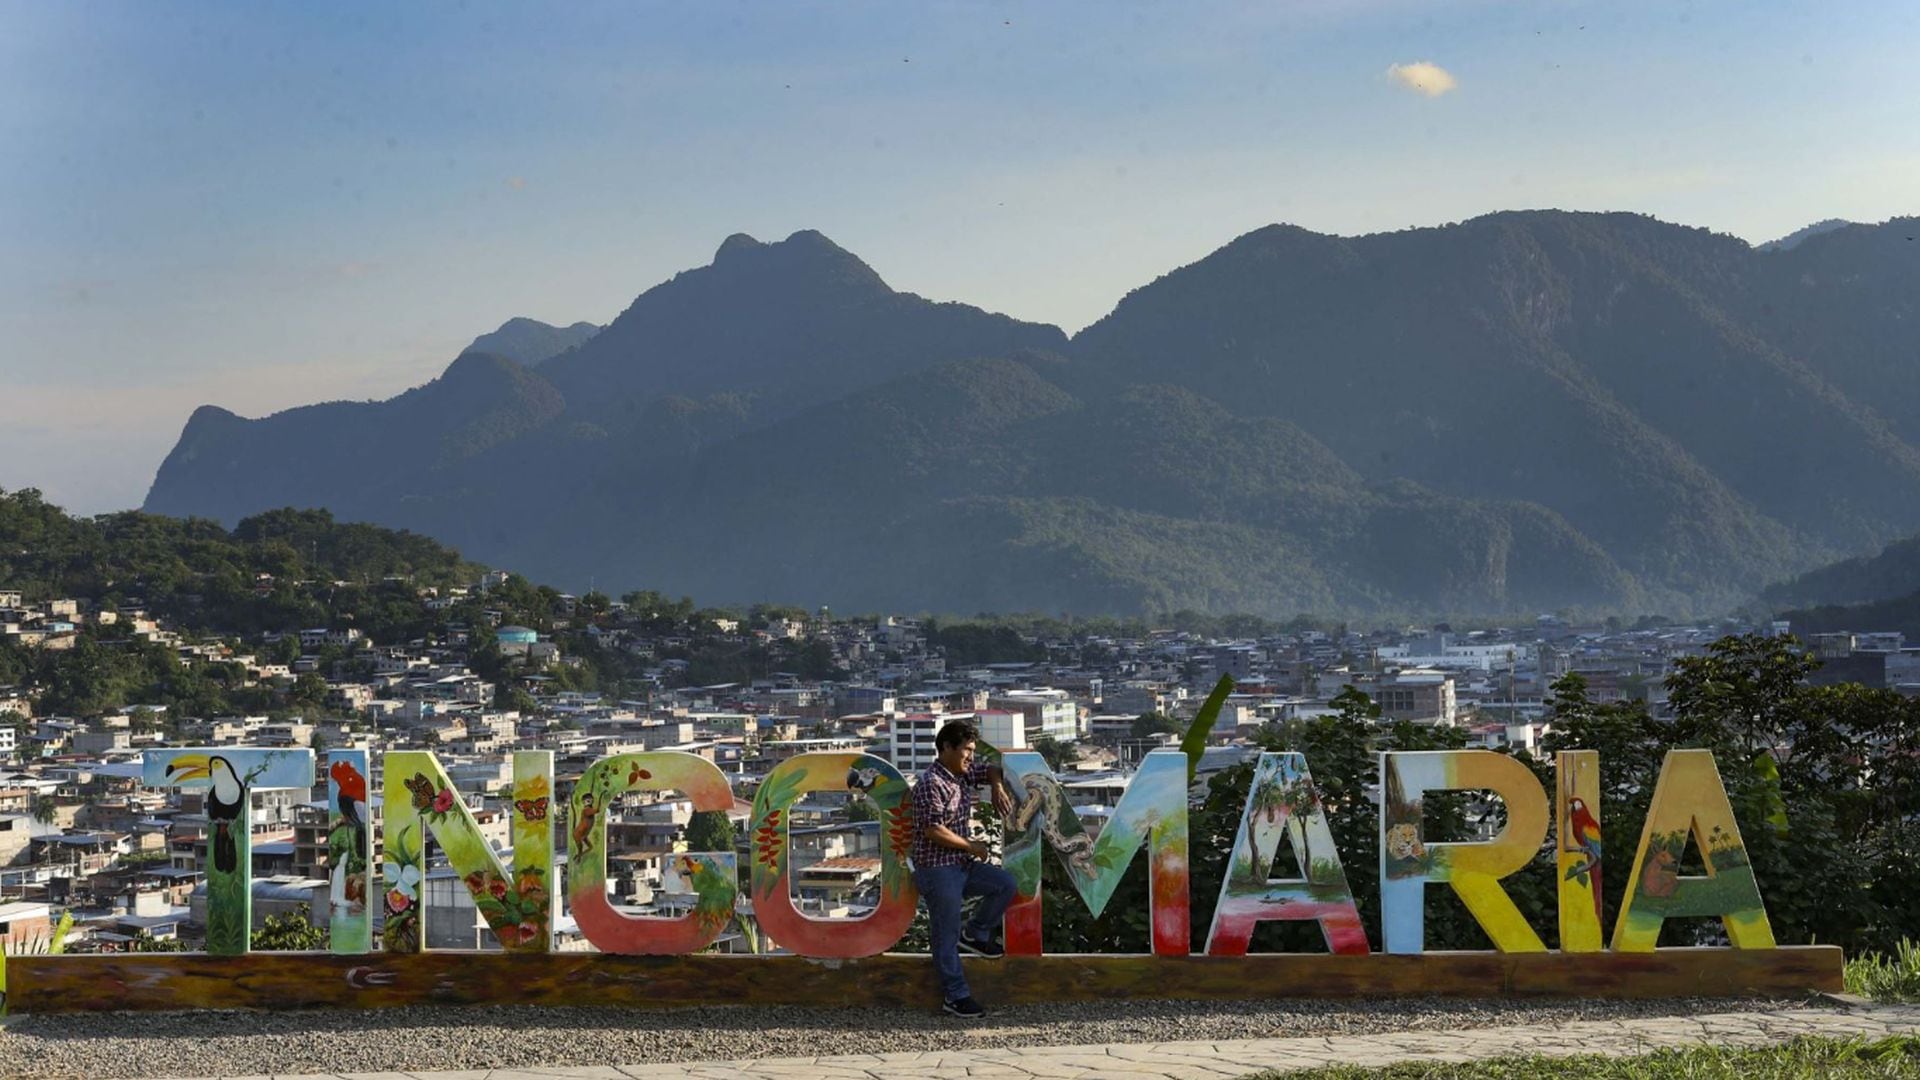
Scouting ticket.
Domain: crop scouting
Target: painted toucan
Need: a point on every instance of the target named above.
(226, 800)
(352, 800)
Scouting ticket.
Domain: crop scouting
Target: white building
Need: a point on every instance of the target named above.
(1050, 714)
(910, 741)
(1002, 728)
(1441, 651)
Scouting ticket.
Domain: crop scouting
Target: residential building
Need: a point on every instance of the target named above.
(21, 923)
(1002, 728)
(1049, 713)
(910, 741)
(1419, 696)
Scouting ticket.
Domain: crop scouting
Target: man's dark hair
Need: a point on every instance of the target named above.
(955, 733)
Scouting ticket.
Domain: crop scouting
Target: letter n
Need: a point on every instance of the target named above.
(517, 904)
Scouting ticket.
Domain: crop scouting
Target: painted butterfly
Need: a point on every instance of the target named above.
(422, 789)
(638, 773)
(532, 809)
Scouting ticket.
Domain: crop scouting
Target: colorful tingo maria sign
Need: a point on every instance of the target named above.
(517, 902)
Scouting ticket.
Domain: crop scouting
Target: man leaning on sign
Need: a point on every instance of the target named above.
(948, 865)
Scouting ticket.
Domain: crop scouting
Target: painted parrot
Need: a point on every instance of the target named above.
(351, 800)
(714, 893)
(1586, 838)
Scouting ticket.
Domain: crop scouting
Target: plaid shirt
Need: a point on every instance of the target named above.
(941, 798)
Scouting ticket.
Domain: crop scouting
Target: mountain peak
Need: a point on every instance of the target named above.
(1793, 239)
(529, 342)
(806, 255)
(737, 244)
(211, 414)
(813, 239)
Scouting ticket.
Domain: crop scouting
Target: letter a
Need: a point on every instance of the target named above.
(1689, 801)
(1283, 800)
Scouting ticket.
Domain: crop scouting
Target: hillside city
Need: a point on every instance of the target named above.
(81, 835)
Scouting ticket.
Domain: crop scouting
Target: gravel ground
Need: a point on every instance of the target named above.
(99, 1046)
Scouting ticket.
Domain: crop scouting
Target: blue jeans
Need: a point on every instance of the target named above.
(943, 887)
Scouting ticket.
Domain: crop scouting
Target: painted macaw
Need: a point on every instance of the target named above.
(1586, 837)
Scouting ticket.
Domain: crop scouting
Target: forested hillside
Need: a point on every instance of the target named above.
(1526, 411)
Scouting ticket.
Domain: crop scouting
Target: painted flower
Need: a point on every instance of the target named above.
(404, 880)
(443, 801)
(534, 896)
(398, 902)
(476, 881)
(498, 887)
(533, 789)
(529, 931)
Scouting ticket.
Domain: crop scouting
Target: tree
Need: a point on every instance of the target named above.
(1056, 754)
(288, 933)
(1824, 782)
(1149, 724)
(44, 809)
(515, 699)
(710, 830)
(594, 606)
(309, 692)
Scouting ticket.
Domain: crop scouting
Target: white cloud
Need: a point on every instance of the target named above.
(1423, 77)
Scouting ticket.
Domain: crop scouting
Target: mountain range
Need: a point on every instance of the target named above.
(1527, 411)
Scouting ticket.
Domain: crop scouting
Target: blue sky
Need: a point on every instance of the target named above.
(265, 205)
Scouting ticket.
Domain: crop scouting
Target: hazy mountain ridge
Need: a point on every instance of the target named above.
(1525, 411)
(530, 342)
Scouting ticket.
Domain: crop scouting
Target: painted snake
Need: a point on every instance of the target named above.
(1077, 849)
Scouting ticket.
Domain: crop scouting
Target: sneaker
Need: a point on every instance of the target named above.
(966, 1008)
(983, 947)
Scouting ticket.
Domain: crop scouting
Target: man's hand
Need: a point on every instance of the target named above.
(1003, 799)
(979, 849)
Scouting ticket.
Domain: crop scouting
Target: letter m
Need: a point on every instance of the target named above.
(1153, 812)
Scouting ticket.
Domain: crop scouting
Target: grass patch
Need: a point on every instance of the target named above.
(1886, 978)
(1848, 1059)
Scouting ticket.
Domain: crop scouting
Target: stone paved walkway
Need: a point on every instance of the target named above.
(1223, 1060)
